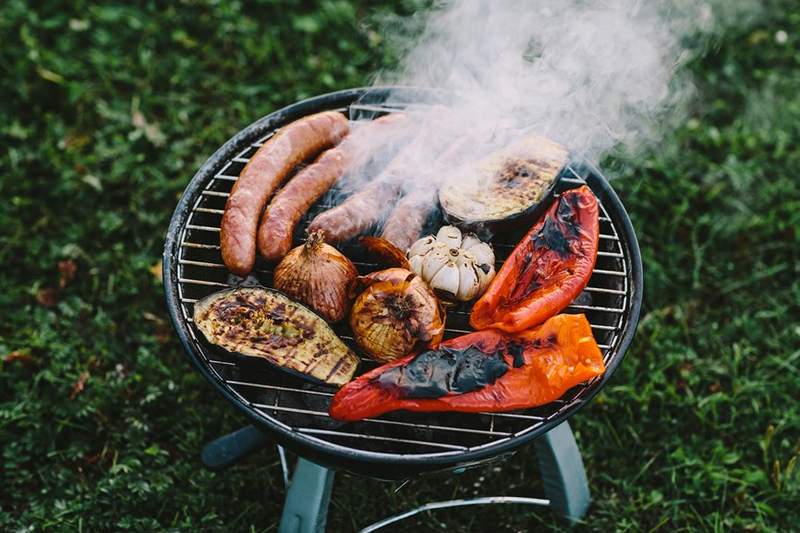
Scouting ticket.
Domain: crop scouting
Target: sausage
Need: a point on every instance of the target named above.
(293, 200)
(357, 213)
(404, 225)
(269, 166)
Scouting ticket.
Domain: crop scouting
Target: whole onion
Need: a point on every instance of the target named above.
(395, 314)
(318, 275)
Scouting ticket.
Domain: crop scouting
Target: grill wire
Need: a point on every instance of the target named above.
(302, 407)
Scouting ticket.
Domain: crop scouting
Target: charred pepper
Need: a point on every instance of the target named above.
(484, 371)
(546, 271)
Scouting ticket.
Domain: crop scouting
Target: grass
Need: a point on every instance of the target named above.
(107, 110)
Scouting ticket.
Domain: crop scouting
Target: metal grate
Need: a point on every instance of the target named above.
(301, 407)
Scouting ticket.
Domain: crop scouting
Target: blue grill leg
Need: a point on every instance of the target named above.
(563, 474)
(228, 449)
(306, 507)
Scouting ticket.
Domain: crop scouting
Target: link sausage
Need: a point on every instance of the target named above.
(358, 212)
(404, 225)
(293, 200)
(269, 166)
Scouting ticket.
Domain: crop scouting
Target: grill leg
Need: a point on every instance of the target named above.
(306, 507)
(563, 474)
(228, 449)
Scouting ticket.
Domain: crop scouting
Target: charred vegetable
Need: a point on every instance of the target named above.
(318, 275)
(482, 371)
(546, 271)
(396, 313)
(506, 185)
(261, 322)
(457, 267)
(384, 252)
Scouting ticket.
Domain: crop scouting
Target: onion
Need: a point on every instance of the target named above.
(318, 275)
(395, 314)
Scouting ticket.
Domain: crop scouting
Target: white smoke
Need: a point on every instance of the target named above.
(590, 74)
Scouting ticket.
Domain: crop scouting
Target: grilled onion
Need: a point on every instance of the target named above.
(318, 275)
(396, 314)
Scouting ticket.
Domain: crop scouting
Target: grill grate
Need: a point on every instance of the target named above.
(301, 407)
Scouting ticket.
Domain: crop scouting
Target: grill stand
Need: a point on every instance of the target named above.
(309, 492)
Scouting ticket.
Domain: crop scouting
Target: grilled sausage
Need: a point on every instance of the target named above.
(290, 203)
(358, 212)
(265, 171)
(404, 225)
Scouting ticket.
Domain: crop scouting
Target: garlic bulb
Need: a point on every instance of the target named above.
(457, 266)
(318, 275)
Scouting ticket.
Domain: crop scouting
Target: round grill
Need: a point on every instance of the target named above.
(294, 410)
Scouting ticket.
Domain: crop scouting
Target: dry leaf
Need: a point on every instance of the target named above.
(79, 385)
(19, 355)
(156, 271)
(48, 296)
(163, 332)
(66, 272)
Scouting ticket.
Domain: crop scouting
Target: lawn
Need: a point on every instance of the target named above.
(108, 110)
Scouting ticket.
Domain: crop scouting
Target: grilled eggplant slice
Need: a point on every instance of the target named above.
(261, 322)
(506, 185)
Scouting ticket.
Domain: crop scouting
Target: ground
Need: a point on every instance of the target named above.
(107, 111)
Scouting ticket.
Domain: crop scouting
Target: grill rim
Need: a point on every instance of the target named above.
(336, 455)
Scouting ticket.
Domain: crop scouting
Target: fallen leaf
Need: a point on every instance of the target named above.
(79, 385)
(19, 355)
(163, 333)
(151, 130)
(47, 296)
(157, 272)
(66, 270)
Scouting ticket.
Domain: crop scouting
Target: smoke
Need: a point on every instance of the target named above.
(591, 75)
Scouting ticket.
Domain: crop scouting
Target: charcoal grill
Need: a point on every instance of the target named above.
(398, 445)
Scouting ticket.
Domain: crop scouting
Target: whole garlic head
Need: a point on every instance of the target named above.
(457, 266)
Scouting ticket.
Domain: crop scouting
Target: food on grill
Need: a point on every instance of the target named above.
(484, 371)
(546, 271)
(405, 223)
(384, 252)
(293, 200)
(260, 322)
(456, 268)
(506, 185)
(396, 313)
(358, 213)
(269, 166)
(318, 275)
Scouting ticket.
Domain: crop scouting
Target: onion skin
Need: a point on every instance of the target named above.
(396, 313)
(318, 275)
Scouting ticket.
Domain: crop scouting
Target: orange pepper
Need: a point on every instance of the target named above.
(481, 371)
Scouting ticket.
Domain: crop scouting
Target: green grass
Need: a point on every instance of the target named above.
(108, 110)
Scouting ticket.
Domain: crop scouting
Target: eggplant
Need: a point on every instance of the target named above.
(265, 323)
(506, 185)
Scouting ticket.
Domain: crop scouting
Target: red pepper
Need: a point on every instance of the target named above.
(481, 371)
(546, 271)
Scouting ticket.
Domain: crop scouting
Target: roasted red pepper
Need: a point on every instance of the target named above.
(546, 271)
(481, 371)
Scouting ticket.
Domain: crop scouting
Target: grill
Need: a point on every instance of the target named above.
(293, 410)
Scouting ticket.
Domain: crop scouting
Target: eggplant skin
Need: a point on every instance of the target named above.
(506, 185)
(261, 322)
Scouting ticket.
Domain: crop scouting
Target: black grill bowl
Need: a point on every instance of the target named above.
(293, 411)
